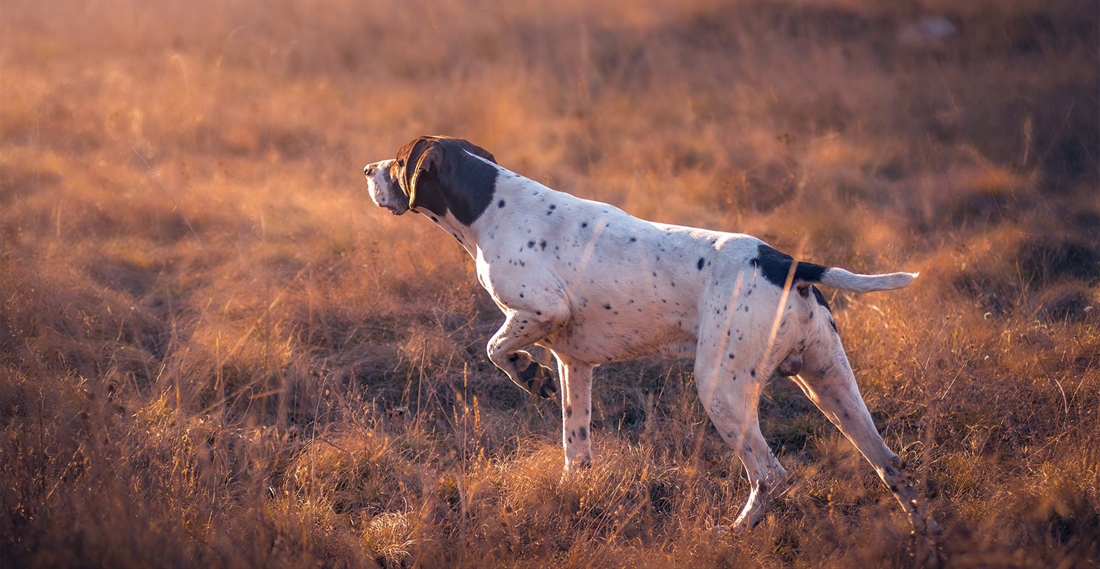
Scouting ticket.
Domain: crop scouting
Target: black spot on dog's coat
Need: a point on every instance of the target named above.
(776, 266)
(820, 298)
(699, 265)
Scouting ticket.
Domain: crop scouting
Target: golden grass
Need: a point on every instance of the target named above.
(215, 352)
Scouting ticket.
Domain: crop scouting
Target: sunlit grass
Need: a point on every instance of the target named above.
(215, 352)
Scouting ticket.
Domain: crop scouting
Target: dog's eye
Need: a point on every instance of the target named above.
(400, 163)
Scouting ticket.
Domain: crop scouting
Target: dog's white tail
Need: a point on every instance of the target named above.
(839, 278)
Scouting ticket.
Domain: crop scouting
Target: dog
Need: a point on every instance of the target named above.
(595, 285)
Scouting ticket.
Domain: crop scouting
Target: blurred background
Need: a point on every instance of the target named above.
(215, 351)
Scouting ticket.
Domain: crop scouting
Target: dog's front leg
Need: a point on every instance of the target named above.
(576, 411)
(522, 329)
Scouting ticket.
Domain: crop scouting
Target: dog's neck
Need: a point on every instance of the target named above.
(512, 193)
(465, 235)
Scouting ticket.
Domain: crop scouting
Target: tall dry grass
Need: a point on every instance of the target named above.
(215, 352)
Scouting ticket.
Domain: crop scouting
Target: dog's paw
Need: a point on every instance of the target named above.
(538, 380)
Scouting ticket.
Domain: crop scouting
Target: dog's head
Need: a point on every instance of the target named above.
(435, 173)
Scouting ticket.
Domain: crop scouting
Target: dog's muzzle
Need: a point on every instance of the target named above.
(377, 193)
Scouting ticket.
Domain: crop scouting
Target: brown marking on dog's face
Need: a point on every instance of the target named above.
(436, 174)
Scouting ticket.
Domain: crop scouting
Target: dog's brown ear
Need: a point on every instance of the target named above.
(443, 176)
(428, 160)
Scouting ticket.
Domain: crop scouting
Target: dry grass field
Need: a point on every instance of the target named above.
(215, 352)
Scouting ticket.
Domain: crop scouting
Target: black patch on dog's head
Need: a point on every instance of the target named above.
(439, 174)
(776, 266)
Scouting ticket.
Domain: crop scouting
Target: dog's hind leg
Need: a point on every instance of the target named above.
(729, 387)
(828, 381)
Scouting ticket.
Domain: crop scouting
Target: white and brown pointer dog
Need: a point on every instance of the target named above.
(593, 285)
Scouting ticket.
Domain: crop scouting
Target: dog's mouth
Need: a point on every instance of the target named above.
(394, 210)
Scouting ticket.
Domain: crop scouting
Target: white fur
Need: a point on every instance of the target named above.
(594, 285)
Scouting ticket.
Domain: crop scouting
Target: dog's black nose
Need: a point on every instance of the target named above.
(369, 170)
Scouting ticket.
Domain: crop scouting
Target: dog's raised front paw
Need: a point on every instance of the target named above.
(539, 380)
